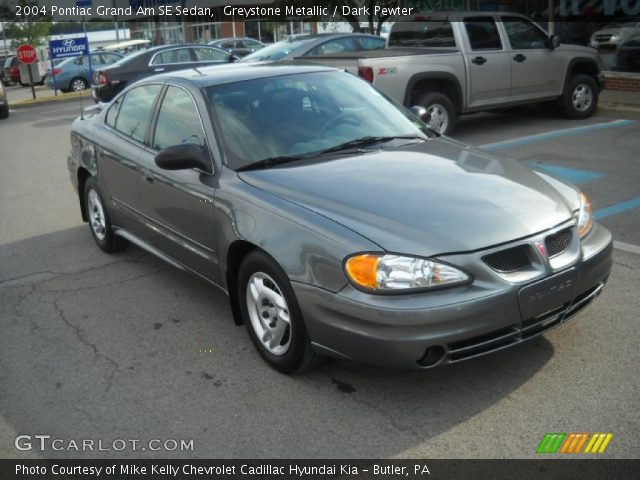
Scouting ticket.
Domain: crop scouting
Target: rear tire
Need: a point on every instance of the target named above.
(4, 111)
(442, 111)
(99, 222)
(77, 84)
(272, 316)
(580, 98)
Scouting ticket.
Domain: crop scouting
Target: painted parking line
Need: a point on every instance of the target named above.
(543, 137)
(626, 247)
(573, 175)
(617, 208)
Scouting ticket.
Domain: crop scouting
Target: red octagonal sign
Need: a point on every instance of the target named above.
(26, 54)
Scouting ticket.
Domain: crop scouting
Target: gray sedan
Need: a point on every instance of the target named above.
(336, 222)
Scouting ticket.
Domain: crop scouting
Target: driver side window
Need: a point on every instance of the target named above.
(178, 121)
(524, 35)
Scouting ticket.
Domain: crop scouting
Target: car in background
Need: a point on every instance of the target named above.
(11, 70)
(316, 44)
(629, 56)
(74, 75)
(335, 220)
(128, 46)
(3, 58)
(616, 33)
(4, 103)
(109, 81)
(238, 46)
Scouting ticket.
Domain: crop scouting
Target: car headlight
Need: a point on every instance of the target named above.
(386, 273)
(584, 216)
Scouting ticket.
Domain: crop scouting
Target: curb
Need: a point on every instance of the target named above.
(62, 97)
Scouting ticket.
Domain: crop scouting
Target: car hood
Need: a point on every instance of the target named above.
(424, 199)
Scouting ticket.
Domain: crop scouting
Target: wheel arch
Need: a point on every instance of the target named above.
(581, 65)
(236, 253)
(442, 82)
(83, 174)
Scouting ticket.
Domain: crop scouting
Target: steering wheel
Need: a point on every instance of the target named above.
(337, 120)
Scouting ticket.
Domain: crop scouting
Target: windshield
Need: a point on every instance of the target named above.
(301, 114)
(275, 51)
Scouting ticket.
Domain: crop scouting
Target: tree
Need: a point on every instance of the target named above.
(31, 29)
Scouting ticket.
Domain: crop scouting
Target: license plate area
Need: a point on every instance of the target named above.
(547, 294)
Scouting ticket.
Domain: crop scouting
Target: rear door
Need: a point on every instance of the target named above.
(487, 63)
(127, 120)
(536, 69)
(178, 204)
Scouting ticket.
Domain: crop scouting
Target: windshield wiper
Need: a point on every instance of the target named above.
(366, 141)
(271, 162)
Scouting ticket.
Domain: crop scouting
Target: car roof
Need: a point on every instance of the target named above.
(235, 72)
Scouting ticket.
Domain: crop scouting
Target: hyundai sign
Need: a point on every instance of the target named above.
(69, 47)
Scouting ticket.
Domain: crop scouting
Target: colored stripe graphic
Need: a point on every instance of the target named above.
(574, 443)
(598, 443)
(551, 442)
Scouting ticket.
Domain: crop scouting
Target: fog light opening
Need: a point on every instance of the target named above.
(432, 356)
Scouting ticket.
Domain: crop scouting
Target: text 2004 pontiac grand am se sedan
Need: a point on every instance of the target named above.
(337, 223)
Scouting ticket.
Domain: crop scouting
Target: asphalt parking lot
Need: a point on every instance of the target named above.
(105, 347)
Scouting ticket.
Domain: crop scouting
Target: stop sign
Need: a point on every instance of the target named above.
(26, 54)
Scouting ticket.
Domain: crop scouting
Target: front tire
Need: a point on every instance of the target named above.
(442, 112)
(99, 222)
(272, 315)
(580, 98)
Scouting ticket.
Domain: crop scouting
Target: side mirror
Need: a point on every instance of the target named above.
(184, 156)
(421, 113)
(554, 41)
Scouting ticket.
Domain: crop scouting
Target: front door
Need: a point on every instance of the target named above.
(179, 204)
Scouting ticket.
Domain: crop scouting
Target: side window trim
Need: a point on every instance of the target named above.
(496, 23)
(151, 121)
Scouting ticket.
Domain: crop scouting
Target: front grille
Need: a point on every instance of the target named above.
(509, 260)
(517, 333)
(558, 242)
(603, 37)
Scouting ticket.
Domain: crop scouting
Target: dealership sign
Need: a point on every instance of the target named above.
(69, 47)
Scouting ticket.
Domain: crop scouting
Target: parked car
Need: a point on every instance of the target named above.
(616, 33)
(73, 74)
(109, 81)
(629, 56)
(128, 47)
(318, 44)
(4, 102)
(336, 221)
(465, 62)
(238, 46)
(11, 70)
(3, 58)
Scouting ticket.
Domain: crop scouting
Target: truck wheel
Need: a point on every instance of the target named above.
(442, 113)
(580, 98)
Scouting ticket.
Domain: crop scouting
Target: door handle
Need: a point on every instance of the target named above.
(479, 60)
(519, 58)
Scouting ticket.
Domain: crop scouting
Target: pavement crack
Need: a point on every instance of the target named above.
(108, 284)
(80, 334)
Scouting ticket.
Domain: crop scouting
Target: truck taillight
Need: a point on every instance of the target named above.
(366, 73)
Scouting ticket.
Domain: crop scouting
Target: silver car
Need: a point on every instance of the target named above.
(336, 222)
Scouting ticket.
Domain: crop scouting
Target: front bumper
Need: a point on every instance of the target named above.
(447, 326)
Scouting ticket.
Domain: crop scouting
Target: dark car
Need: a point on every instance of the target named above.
(109, 81)
(11, 70)
(336, 221)
(319, 44)
(4, 103)
(629, 56)
(238, 46)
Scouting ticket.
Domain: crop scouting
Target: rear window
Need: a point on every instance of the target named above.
(422, 34)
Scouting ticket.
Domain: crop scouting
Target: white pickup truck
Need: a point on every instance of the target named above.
(464, 62)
